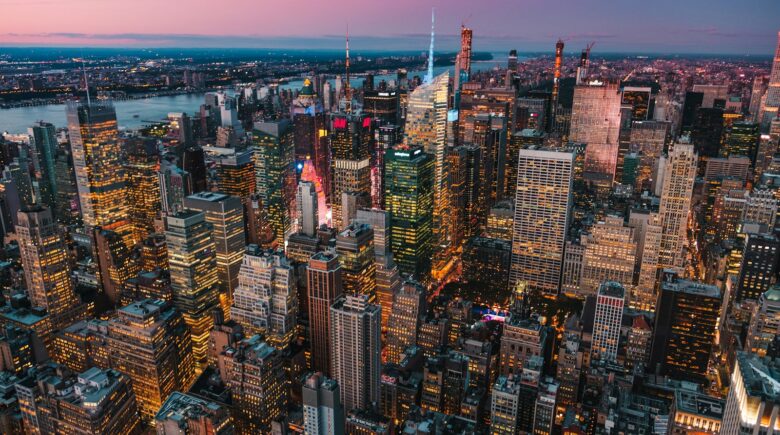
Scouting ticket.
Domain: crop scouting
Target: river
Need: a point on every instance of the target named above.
(132, 114)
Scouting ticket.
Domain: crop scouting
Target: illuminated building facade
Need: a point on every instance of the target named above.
(595, 120)
(676, 197)
(771, 100)
(752, 401)
(44, 257)
(82, 345)
(324, 284)
(100, 177)
(225, 214)
(610, 302)
(254, 372)
(116, 263)
(43, 143)
(426, 127)
(409, 197)
(610, 254)
(148, 341)
(96, 401)
(351, 142)
(542, 204)
(274, 158)
(504, 404)
(194, 275)
(143, 187)
(265, 301)
(408, 308)
(355, 248)
(355, 352)
(685, 327)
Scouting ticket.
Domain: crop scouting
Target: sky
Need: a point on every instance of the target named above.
(637, 26)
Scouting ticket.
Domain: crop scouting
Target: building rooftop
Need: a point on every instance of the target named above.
(692, 402)
(671, 282)
(761, 376)
(181, 407)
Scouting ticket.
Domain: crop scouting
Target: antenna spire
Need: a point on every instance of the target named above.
(429, 75)
(86, 83)
(347, 91)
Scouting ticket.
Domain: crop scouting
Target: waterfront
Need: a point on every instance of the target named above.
(135, 113)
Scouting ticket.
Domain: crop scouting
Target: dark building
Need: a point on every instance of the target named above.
(381, 105)
(686, 322)
(486, 261)
(759, 261)
(706, 131)
(741, 139)
(193, 161)
(693, 101)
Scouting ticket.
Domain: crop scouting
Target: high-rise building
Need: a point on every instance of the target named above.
(143, 186)
(308, 213)
(771, 99)
(274, 159)
(355, 350)
(686, 323)
(504, 404)
(116, 263)
(752, 400)
(100, 176)
(351, 142)
(676, 197)
(46, 265)
(741, 139)
(610, 302)
(355, 248)
(595, 120)
(192, 259)
(407, 311)
(324, 284)
(225, 214)
(43, 138)
(254, 372)
(183, 414)
(609, 254)
(97, 401)
(542, 204)
(426, 127)
(388, 280)
(323, 413)
(409, 197)
(759, 263)
(764, 323)
(463, 60)
(544, 410)
(82, 345)
(265, 301)
(149, 342)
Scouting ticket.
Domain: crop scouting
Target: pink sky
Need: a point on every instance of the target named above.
(723, 26)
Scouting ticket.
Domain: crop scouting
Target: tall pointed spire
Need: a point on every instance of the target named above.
(429, 75)
(347, 92)
(86, 83)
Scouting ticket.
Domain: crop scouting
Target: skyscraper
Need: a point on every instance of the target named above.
(542, 203)
(407, 311)
(676, 197)
(46, 267)
(143, 186)
(409, 197)
(265, 300)
(355, 352)
(595, 120)
(44, 143)
(324, 284)
(254, 372)
(610, 302)
(194, 277)
(351, 142)
(355, 247)
(274, 157)
(96, 158)
(753, 396)
(609, 254)
(686, 324)
(149, 342)
(771, 101)
(426, 127)
(308, 214)
(323, 413)
(225, 214)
